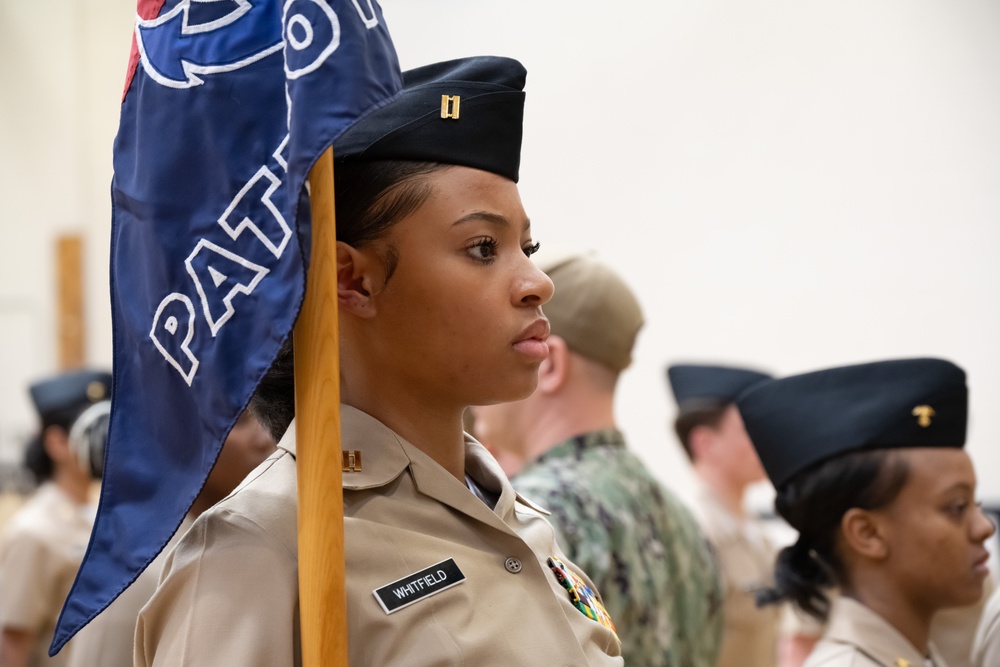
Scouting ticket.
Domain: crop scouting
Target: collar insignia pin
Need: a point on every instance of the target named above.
(352, 460)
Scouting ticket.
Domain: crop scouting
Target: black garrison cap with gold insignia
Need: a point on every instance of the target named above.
(466, 112)
(702, 386)
(59, 396)
(799, 421)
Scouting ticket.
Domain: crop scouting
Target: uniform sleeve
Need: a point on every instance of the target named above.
(228, 595)
(28, 578)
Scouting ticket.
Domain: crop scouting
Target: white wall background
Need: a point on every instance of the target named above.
(62, 66)
(788, 184)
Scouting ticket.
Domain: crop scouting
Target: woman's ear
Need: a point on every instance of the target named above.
(355, 277)
(865, 533)
(552, 372)
(55, 441)
(700, 441)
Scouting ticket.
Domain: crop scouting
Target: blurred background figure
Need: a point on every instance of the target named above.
(954, 630)
(709, 427)
(641, 547)
(986, 646)
(108, 640)
(42, 545)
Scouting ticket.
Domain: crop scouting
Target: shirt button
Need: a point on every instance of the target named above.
(513, 565)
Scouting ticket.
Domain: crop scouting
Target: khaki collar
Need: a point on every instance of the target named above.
(384, 456)
(855, 624)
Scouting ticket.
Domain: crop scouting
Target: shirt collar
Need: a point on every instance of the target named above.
(381, 456)
(575, 447)
(855, 624)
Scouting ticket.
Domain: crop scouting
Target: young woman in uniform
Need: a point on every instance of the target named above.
(868, 465)
(43, 543)
(440, 308)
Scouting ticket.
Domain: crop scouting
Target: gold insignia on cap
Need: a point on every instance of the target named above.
(352, 460)
(449, 106)
(923, 413)
(903, 662)
(95, 391)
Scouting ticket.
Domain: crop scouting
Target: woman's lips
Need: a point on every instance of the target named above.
(531, 341)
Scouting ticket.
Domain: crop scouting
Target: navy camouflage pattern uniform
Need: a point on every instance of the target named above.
(641, 546)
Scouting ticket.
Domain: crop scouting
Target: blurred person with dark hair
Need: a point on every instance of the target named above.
(709, 428)
(637, 541)
(43, 544)
(869, 467)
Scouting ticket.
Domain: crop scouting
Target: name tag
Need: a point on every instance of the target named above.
(419, 585)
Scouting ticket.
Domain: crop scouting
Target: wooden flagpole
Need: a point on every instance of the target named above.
(322, 592)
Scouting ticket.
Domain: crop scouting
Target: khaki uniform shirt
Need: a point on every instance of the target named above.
(986, 647)
(953, 630)
(107, 641)
(858, 637)
(229, 591)
(40, 552)
(746, 556)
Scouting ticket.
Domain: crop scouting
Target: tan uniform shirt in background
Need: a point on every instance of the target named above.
(746, 556)
(953, 630)
(40, 551)
(858, 637)
(986, 647)
(229, 592)
(109, 639)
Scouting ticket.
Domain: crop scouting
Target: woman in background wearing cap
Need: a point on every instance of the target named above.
(440, 308)
(43, 544)
(868, 465)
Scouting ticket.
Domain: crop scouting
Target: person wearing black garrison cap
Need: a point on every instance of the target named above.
(869, 467)
(712, 434)
(439, 309)
(43, 543)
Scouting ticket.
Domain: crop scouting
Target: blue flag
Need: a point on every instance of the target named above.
(228, 104)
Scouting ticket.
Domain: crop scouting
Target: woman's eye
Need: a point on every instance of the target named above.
(530, 250)
(483, 250)
(958, 509)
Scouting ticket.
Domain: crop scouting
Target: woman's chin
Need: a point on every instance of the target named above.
(513, 391)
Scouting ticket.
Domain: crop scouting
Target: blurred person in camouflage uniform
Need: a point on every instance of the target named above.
(640, 545)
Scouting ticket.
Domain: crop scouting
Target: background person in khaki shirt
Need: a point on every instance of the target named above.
(108, 640)
(42, 545)
(868, 465)
(440, 308)
(709, 427)
(986, 647)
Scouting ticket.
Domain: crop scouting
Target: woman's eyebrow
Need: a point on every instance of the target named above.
(492, 218)
(958, 486)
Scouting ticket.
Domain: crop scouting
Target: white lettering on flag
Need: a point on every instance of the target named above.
(166, 334)
(217, 302)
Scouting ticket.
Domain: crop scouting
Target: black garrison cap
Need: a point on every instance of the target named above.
(799, 421)
(701, 387)
(65, 392)
(466, 112)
